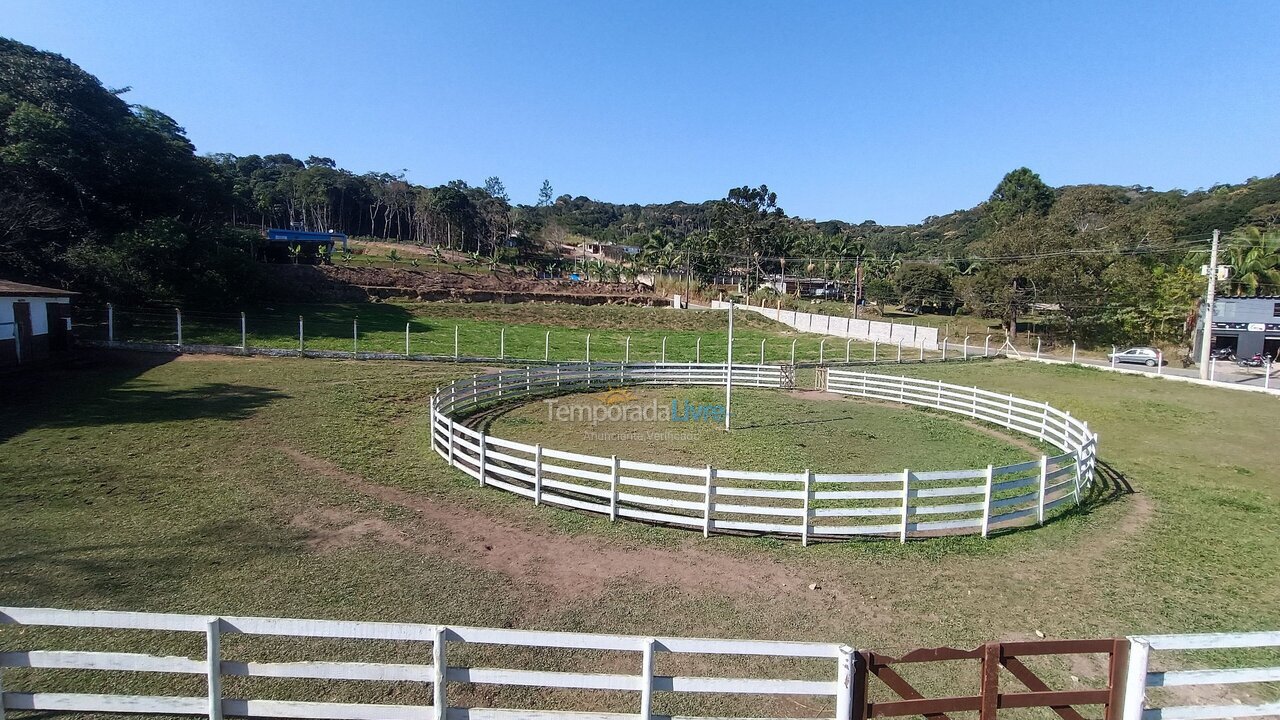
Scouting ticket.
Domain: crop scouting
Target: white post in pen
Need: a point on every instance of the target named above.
(793, 352)
(537, 474)
(822, 351)
(1044, 479)
(1113, 356)
(899, 349)
(613, 488)
(502, 343)
(966, 347)
(440, 665)
(626, 354)
(986, 345)
(406, 340)
(844, 684)
(944, 346)
(179, 315)
(808, 506)
(1135, 683)
(455, 343)
(355, 338)
(1073, 352)
(484, 456)
(906, 503)
(847, 344)
(762, 352)
(697, 350)
(1037, 347)
(1159, 362)
(111, 323)
(213, 665)
(299, 333)
(921, 352)
(664, 348)
(728, 371)
(875, 350)
(709, 501)
(986, 504)
(588, 351)
(244, 344)
(546, 347)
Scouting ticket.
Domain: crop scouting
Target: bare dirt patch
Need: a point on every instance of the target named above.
(565, 567)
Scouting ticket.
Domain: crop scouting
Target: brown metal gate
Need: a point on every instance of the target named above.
(992, 657)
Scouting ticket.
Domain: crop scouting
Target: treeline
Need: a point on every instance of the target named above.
(111, 199)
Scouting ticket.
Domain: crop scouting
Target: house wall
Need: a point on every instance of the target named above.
(39, 327)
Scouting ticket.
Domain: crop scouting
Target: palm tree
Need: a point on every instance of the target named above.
(1254, 257)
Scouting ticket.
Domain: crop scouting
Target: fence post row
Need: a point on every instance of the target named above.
(986, 504)
(808, 506)
(440, 665)
(710, 502)
(906, 503)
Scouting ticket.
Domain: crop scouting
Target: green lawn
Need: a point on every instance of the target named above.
(304, 488)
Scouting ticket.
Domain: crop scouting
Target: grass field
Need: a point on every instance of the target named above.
(304, 488)
(380, 327)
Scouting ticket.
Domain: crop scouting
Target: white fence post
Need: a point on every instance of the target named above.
(178, 311)
(450, 440)
(502, 343)
(626, 353)
(822, 350)
(875, 350)
(440, 682)
(986, 345)
(455, 343)
(355, 338)
(944, 346)
(244, 343)
(1135, 683)
(697, 350)
(299, 333)
(1113, 356)
(406, 340)
(613, 488)
(1037, 347)
(986, 503)
(546, 347)
(1044, 481)
(484, 456)
(1213, 367)
(111, 330)
(906, 503)
(793, 352)
(537, 474)
(899, 350)
(844, 684)
(966, 347)
(847, 344)
(710, 502)
(646, 674)
(808, 506)
(588, 359)
(1073, 351)
(664, 348)
(762, 352)
(921, 352)
(1159, 362)
(213, 666)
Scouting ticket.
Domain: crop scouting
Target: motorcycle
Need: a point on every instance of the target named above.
(1256, 361)
(1222, 353)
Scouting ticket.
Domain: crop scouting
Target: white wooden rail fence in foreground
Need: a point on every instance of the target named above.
(837, 688)
(916, 336)
(801, 504)
(1139, 676)
(644, 682)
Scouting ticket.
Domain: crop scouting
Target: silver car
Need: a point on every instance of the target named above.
(1148, 356)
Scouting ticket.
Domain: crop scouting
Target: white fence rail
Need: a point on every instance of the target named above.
(846, 327)
(800, 504)
(1140, 676)
(644, 682)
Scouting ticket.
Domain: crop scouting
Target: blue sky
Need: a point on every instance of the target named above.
(890, 111)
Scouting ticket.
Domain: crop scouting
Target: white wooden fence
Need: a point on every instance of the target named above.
(214, 666)
(916, 336)
(799, 504)
(1141, 676)
(834, 684)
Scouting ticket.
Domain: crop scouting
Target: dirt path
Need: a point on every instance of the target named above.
(566, 567)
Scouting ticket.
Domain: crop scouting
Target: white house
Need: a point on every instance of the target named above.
(33, 322)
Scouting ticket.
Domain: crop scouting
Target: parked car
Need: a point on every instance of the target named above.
(1148, 356)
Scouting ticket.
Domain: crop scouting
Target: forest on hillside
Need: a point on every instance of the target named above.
(112, 199)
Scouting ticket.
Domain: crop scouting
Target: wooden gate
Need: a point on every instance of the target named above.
(992, 657)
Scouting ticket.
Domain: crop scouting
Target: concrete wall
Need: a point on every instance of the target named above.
(846, 327)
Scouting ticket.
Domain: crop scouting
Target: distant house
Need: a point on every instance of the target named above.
(1247, 325)
(299, 246)
(33, 322)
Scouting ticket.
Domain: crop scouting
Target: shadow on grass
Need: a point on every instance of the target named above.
(108, 392)
(45, 569)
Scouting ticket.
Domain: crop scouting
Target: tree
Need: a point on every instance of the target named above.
(921, 285)
(880, 292)
(494, 187)
(545, 194)
(1021, 193)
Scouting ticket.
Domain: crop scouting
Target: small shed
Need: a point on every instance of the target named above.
(34, 322)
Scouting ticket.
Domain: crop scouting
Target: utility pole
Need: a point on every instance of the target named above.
(1206, 337)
